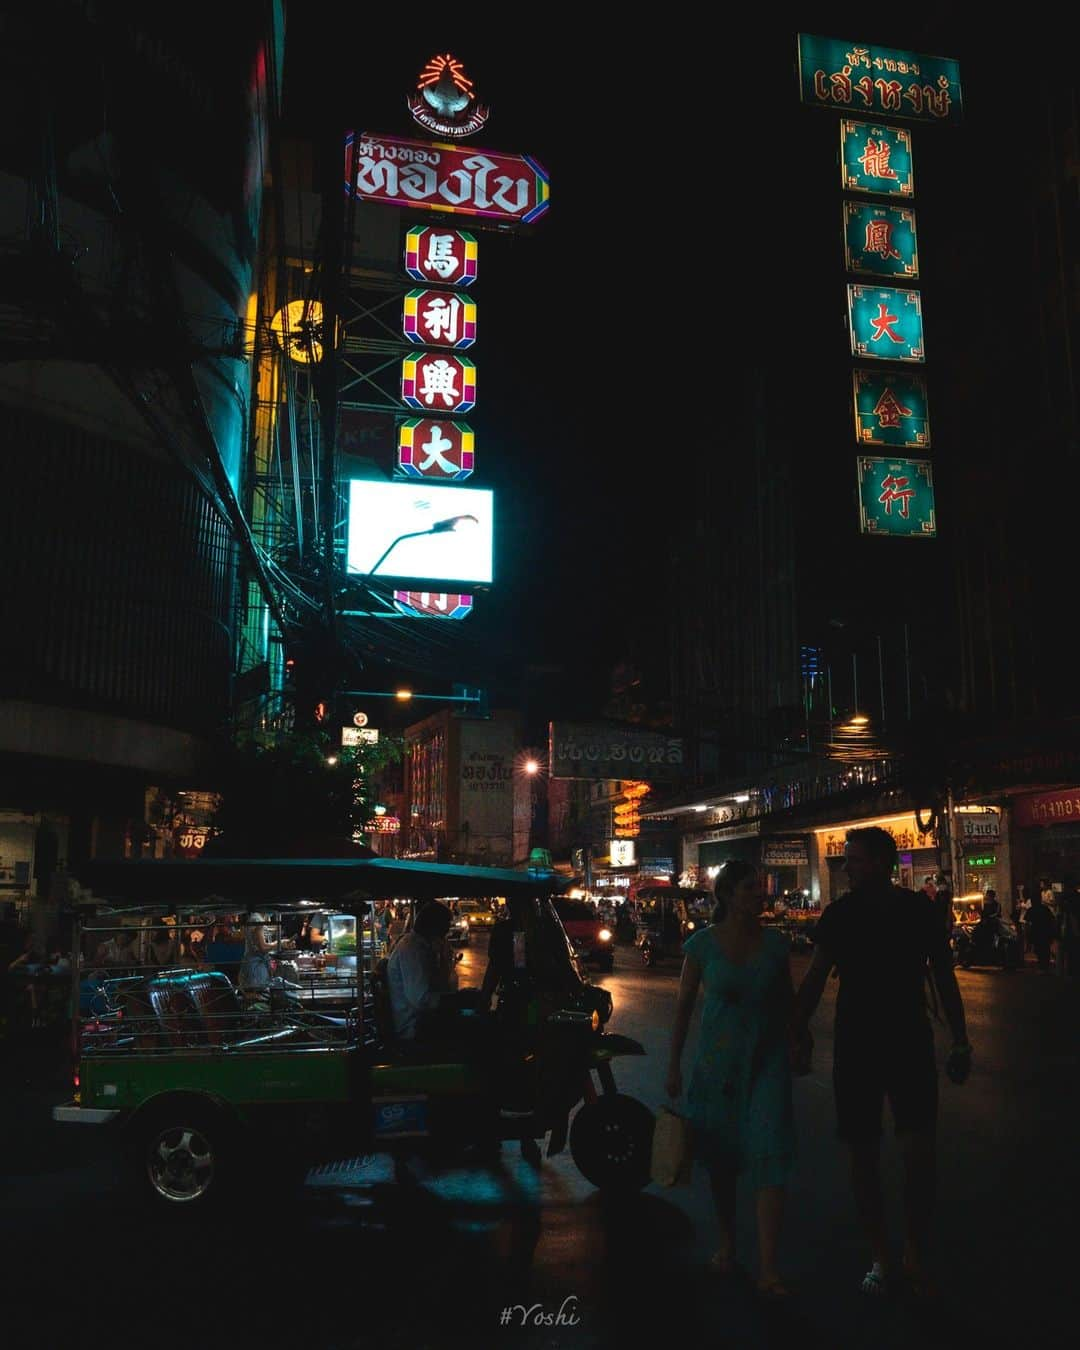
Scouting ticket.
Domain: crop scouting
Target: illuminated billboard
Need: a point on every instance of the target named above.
(381, 513)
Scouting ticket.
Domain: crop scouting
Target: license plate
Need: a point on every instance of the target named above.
(399, 1117)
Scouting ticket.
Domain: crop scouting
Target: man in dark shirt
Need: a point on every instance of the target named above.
(880, 939)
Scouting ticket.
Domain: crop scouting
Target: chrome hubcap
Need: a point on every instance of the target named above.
(180, 1163)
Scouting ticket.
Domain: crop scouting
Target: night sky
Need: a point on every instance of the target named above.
(695, 210)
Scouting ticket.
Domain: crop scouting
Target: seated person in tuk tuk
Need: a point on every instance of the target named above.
(670, 925)
(254, 975)
(423, 1001)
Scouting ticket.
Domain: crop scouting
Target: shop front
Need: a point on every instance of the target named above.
(983, 852)
(705, 851)
(917, 853)
(1046, 838)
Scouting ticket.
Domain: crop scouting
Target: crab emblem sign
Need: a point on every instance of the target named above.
(438, 382)
(429, 448)
(446, 256)
(439, 319)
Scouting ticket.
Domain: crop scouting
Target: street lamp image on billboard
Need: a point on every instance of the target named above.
(415, 531)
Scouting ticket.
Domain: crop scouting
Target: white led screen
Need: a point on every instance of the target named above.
(380, 512)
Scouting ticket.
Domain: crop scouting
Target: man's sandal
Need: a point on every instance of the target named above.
(774, 1291)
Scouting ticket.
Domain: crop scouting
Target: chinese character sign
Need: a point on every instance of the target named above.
(439, 319)
(848, 77)
(896, 497)
(438, 177)
(435, 604)
(886, 324)
(448, 257)
(880, 240)
(439, 383)
(428, 448)
(891, 410)
(876, 159)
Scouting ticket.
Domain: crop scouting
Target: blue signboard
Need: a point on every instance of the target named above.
(876, 159)
(880, 240)
(886, 324)
(850, 77)
(891, 409)
(896, 497)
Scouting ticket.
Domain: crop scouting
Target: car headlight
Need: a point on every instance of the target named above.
(690, 924)
(604, 935)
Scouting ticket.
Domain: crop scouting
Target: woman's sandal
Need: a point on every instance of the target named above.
(874, 1283)
(723, 1264)
(921, 1284)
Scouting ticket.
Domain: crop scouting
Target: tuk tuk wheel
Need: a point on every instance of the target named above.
(611, 1143)
(648, 955)
(181, 1155)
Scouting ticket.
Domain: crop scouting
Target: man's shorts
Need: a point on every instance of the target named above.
(863, 1077)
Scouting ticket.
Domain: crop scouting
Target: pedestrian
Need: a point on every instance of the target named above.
(941, 904)
(1016, 917)
(1040, 928)
(880, 939)
(1070, 926)
(739, 1096)
(991, 907)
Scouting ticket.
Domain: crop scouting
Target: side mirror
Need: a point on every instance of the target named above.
(458, 956)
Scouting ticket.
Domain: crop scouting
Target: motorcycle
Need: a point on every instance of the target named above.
(990, 942)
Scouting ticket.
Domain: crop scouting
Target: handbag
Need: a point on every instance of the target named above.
(671, 1149)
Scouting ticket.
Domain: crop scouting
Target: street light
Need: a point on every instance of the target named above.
(440, 527)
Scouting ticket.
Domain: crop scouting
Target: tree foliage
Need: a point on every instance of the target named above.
(295, 797)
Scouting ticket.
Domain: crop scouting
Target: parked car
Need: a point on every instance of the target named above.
(475, 914)
(592, 937)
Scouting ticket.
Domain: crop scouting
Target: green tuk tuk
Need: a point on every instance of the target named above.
(194, 1071)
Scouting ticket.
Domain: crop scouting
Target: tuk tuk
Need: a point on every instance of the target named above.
(193, 1068)
(666, 917)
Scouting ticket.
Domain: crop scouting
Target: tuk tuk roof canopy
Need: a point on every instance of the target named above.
(267, 879)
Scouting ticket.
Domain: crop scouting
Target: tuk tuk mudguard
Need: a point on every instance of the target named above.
(611, 1044)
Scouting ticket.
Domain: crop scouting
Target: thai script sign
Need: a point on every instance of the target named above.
(876, 159)
(1047, 808)
(438, 177)
(353, 737)
(444, 382)
(784, 853)
(891, 409)
(596, 751)
(430, 449)
(435, 604)
(886, 324)
(439, 319)
(434, 254)
(844, 75)
(896, 497)
(984, 826)
(880, 240)
(905, 832)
